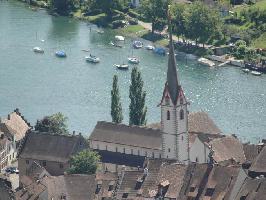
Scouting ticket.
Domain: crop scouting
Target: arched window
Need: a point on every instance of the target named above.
(168, 115)
(181, 114)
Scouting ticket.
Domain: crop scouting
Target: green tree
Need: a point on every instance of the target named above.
(178, 20)
(201, 22)
(116, 107)
(55, 123)
(85, 162)
(155, 11)
(137, 108)
(63, 7)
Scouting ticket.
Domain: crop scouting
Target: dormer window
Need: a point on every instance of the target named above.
(209, 192)
(181, 114)
(168, 115)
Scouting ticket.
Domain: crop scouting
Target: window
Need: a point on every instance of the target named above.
(116, 149)
(169, 149)
(131, 151)
(152, 154)
(125, 195)
(167, 100)
(106, 148)
(44, 163)
(181, 101)
(182, 137)
(124, 150)
(209, 192)
(192, 189)
(160, 156)
(146, 154)
(181, 114)
(97, 146)
(61, 166)
(138, 153)
(27, 162)
(197, 160)
(168, 115)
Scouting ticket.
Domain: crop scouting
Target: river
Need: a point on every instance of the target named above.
(43, 84)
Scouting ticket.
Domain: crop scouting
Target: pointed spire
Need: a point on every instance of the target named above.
(172, 81)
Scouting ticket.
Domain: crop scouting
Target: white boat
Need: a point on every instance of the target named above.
(38, 50)
(245, 70)
(137, 44)
(100, 31)
(119, 38)
(149, 47)
(133, 60)
(122, 66)
(207, 62)
(92, 59)
(255, 73)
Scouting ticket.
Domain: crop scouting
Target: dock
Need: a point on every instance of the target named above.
(224, 63)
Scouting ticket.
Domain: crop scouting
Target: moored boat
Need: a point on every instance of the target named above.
(38, 50)
(119, 38)
(92, 59)
(60, 54)
(207, 62)
(245, 70)
(133, 60)
(137, 44)
(121, 66)
(149, 47)
(255, 73)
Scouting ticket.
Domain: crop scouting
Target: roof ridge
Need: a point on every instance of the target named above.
(128, 126)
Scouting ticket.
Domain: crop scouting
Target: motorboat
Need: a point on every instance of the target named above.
(38, 50)
(255, 73)
(60, 54)
(92, 59)
(246, 70)
(115, 44)
(100, 31)
(159, 50)
(119, 38)
(122, 66)
(137, 44)
(149, 47)
(133, 60)
(206, 62)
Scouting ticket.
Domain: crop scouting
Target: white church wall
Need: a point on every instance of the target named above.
(99, 145)
(199, 152)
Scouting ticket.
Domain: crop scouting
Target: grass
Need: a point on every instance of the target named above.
(259, 4)
(133, 30)
(260, 42)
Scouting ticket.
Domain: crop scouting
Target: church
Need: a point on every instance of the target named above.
(180, 135)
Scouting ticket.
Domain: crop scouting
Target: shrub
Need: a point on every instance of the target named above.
(133, 14)
(133, 21)
(118, 24)
(93, 12)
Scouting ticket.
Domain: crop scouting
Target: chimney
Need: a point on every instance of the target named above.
(2, 136)
(8, 116)
(74, 133)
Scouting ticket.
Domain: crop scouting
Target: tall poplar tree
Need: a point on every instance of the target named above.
(137, 108)
(116, 107)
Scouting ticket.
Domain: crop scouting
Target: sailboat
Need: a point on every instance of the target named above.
(133, 59)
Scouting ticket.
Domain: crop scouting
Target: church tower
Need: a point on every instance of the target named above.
(174, 112)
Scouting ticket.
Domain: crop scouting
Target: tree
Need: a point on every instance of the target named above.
(178, 19)
(137, 108)
(55, 123)
(116, 107)
(155, 11)
(201, 22)
(85, 162)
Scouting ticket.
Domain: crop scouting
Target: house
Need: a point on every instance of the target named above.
(252, 189)
(51, 151)
(15, 126)
(76, 186)
(4, 150)
(6, 192)
(258, 167)
(160, 178)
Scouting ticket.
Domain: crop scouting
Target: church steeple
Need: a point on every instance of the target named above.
(172, 80)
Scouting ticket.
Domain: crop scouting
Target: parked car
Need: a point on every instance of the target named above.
(12, 170)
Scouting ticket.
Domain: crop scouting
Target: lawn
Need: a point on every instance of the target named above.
(260, 42)
(133, 30)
